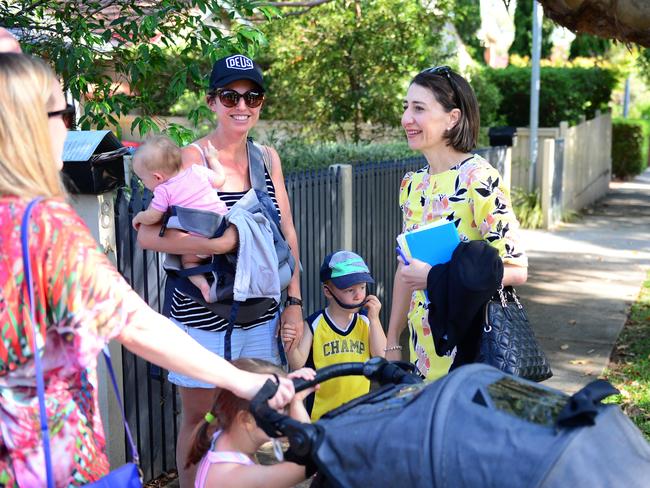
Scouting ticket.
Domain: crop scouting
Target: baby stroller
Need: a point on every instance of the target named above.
(476, 427)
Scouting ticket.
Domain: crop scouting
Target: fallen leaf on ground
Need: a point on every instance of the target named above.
(579, 361)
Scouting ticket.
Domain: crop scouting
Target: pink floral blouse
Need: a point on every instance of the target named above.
(82, 302)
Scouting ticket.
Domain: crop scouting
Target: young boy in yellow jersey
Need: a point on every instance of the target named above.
(339, 333)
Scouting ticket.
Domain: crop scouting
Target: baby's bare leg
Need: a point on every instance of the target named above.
(198, 280)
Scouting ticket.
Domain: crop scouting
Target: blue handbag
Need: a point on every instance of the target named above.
(127, 476)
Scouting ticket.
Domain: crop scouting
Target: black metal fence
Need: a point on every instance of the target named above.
(317, 201)
(377, 220)
(150, 401)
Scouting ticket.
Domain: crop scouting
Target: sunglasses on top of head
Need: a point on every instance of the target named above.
(230, 98)
(67, 114)
(444, 71)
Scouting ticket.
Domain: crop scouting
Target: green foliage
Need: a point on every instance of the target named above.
(528, 208)
(565, 93)
(523, 43)
(629, 369)
(489, 98)
(467, 20)
(348, 63)
(298, 156)
(156, 53)
(629, 147)
(588, 46)
(643, 62)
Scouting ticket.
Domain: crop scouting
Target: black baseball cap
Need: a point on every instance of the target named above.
(233, 68)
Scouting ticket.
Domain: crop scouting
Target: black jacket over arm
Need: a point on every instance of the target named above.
(457, 291)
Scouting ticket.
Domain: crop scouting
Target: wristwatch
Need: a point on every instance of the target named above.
(293, 301)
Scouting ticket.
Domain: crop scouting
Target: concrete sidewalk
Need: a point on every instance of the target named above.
(583, 278)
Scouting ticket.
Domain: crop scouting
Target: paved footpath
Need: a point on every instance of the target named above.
(582, 279)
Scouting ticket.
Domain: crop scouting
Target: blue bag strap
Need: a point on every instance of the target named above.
(40, 383)
(201, 269)
(227, 340)
(109, 365)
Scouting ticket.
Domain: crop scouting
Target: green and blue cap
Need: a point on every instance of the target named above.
(345, 269)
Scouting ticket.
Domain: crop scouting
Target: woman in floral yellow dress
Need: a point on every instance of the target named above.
(441, 120)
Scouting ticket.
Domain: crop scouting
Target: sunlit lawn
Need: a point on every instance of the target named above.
(629, 370)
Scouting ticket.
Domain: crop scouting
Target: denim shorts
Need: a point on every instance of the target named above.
(259, 342)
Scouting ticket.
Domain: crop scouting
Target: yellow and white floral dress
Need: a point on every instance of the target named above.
(472, 195)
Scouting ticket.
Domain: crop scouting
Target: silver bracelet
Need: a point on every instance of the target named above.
(392, 348)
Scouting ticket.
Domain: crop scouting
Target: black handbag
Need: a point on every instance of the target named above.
(508, 341)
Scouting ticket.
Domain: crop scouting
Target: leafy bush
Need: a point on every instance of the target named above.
(466, 16)
(329, 68)
(629, 147)
(489, 98)
(298, 156)
(523, 42)
(565, 93)
(588, 46)
(528, 208)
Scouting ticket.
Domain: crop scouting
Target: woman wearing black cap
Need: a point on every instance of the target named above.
(236, 95)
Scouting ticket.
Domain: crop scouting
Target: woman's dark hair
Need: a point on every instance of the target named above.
(225, 408)
(452, 91)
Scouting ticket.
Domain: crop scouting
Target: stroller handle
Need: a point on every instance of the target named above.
(377, 369)
(303, 436)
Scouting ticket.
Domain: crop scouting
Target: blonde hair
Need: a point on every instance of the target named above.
(159, 153)
(27, 165)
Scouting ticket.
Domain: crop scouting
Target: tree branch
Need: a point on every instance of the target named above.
(308, 4)
(31, 7)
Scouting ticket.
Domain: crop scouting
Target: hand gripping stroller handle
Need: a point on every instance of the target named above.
(275, 424)
(377, 369)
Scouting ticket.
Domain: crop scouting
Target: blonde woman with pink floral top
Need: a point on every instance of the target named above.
(441, 120)
(81, 300)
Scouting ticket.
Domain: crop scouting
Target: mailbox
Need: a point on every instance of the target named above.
(93, 162)
(502, 136)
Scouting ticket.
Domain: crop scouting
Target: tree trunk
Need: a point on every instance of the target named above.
(625, 20)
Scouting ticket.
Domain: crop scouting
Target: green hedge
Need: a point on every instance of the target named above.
(565, 93)
(298, 156)
(629, 146)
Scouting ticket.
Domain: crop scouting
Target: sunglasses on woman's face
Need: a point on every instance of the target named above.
(230, 98)
(444, 71)
(67, 114)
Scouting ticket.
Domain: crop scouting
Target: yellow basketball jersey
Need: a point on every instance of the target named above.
(332, 345)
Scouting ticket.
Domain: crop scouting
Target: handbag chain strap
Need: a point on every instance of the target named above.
(502, 296)
(504, 299)
(40, 382)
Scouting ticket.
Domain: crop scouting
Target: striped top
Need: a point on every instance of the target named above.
(192, 314)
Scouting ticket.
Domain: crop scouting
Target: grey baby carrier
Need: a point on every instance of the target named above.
(221, 269)
(475, 428)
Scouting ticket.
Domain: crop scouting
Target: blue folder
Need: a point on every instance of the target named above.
(433, 243)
